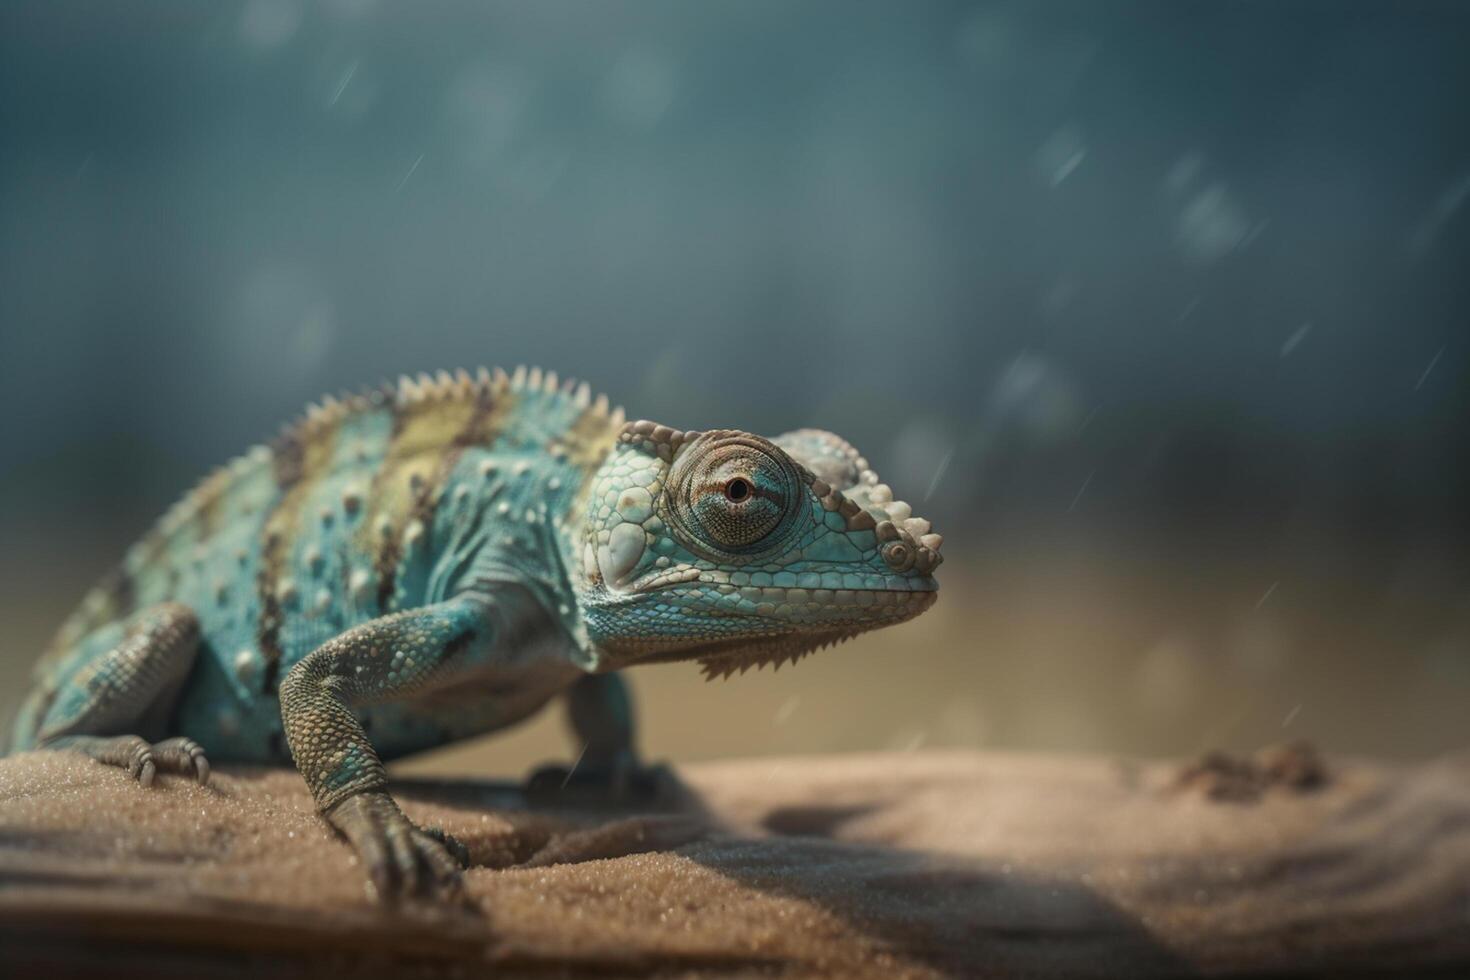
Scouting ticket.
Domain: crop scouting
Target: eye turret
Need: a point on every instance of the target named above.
(733, 492)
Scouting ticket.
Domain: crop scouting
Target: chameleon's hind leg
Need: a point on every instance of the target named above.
(601, 716)
(109, 704)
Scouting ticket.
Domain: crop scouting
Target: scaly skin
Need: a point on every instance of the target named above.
(442, 557)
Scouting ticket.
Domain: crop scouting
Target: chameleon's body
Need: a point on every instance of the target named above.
(442, 557)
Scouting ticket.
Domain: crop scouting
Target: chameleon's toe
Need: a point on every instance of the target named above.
(440, 867)
(127, 752)
(140, 763)
(457, 850)
(184, 756)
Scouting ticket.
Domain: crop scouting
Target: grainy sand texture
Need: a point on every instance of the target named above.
(914, 864)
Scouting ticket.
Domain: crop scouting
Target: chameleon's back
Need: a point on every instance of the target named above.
(367, 505)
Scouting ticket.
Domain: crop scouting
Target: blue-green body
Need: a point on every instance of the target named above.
(441, 558)
(398, 497)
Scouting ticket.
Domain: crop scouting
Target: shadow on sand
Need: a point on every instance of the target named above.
(944, 912)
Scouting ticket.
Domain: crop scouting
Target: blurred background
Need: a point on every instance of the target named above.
(1157, 310)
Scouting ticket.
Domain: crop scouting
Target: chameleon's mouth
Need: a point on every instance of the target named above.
(773, 641)
(739, 656)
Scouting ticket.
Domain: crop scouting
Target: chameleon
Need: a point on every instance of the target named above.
(443, 556)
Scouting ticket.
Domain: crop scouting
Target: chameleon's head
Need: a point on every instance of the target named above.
(737, 550)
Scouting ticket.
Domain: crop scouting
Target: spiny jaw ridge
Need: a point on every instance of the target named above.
(722, 665)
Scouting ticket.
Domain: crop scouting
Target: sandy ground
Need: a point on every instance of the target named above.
(913, 864)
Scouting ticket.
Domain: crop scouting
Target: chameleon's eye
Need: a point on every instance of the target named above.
(739, 498)
(734, 493)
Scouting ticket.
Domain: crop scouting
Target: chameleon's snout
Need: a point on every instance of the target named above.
(905, 542)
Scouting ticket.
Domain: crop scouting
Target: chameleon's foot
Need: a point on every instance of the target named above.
(141, 760)
(623, 784)
(401, 858)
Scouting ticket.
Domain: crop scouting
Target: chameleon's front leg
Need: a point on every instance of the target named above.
(379, 660)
